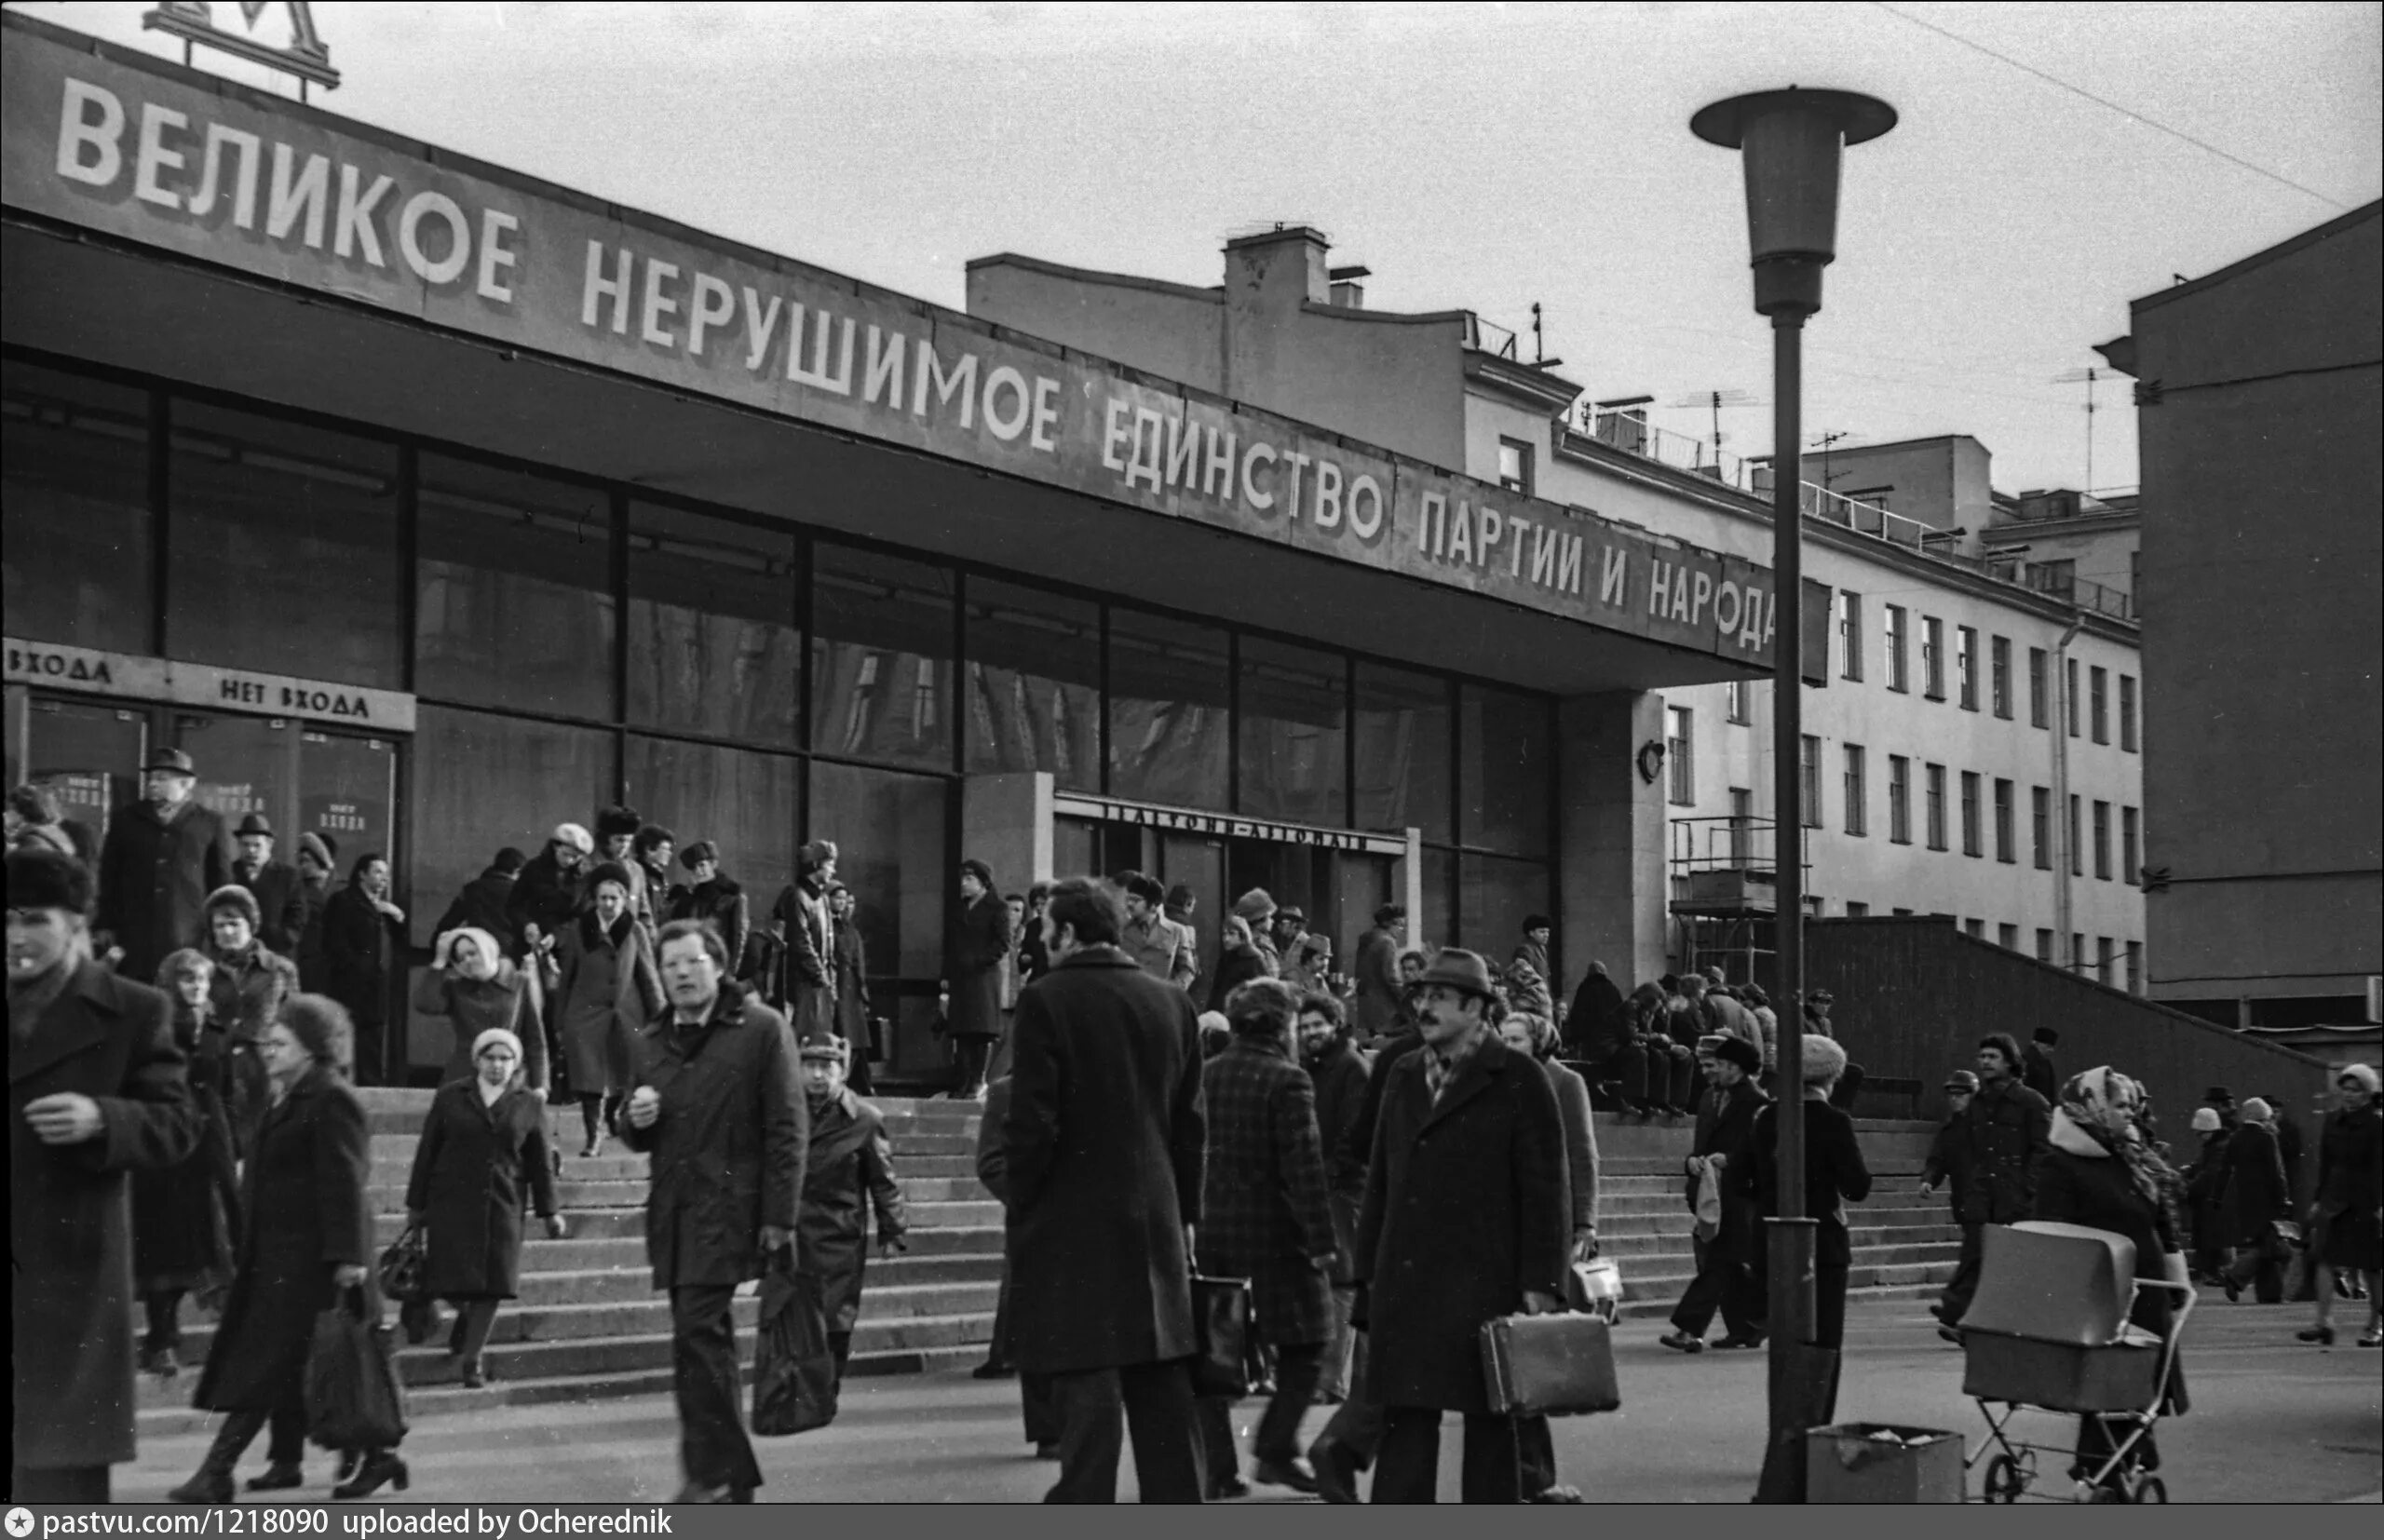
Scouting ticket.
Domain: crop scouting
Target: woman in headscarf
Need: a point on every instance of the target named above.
(605, 991)
(2098, 1172)
(485, 1139)
(2344, 1219)
(476, 987)
(2257, 1198)
(183, 1217)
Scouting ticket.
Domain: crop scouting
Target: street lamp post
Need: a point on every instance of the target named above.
(1791, 142)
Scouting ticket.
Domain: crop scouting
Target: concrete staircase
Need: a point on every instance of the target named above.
(589, 1324)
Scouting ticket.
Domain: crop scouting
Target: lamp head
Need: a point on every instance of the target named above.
(1792, 142)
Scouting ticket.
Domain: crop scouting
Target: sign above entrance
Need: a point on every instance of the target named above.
(307, 57)
(159, 679)
(1226, 826)
(105, 139)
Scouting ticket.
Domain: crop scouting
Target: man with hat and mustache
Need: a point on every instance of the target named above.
(164, 855)
(1464, 1221)
(1729, 1260)
(281, 897)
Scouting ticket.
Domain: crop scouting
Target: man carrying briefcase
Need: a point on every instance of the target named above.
(1464, 1221)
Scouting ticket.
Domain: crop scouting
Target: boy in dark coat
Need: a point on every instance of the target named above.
(850, 1169)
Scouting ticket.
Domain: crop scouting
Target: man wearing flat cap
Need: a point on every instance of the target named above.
(1464, 1221)
(281, 897)
(1729, 1261)
(164, 855)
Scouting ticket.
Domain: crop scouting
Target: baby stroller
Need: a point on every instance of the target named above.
(2048, 1330)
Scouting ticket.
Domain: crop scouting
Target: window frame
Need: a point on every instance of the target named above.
(1932, 657)
(1973, 815)
(1933, 804)
(2040, 827)
(1893, 632)
(1854, 779)
(1680, 755)
(1898, 799)
(1523, 483)
(2130, 845)
(2007, 844)
(2039, 688)
(1809, 763)
(1999, 650)
(1966, 667)
(1849, 635)
(2098, 704)
(2128, 739)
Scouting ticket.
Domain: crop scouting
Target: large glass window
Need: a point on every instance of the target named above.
(1167, 707)
(1494, 897)
(881, 657)
(748, 804)
(1503, 770)
(1402, 727)
(483, 782)
(514, 594)
(1293, 733)
(1032, 684)
(285, 548)
(75, 526)
(888, 829)
(712, 641)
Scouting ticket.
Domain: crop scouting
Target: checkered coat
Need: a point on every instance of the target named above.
(1264, 1213)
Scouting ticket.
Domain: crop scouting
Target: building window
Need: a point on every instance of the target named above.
(1741, 826)
(2005, 845)
(1404, 722)
(1514, 465)
(742, 800)
(2007, 938)
(2044, 946)
(1974, 838)
(1504, 740)
(2041, 826)
(2130, 854)
(1680, 750)
(2098, 703)
(713, 642)
(1857, 909)
(1898, 800)
(2127, 713)
(1171, 685)
(2056, 577)
(2102, 841)
(2105, 954)
(1858, 812)
(2039, 707)
(2069, 695)
(1849, 635)
(2136, 967)
(481, 780)
(1810, 781)
(76, 538)
(881, 659)
(1966, 666)
(2076, 848)
(2076, 951)
(1737, 702)
(1999, 669)
(1032, 684)
(1893, 631)
(1936, 795)
(1932, 657)
(1293, 734)
(1975, 929)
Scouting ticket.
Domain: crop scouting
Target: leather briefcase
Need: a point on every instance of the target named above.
(1221, 1334)
(1549, 1366)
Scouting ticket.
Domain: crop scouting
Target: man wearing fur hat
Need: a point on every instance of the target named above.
(850, 1170)
(96, 1089)
(2007, 1127)
(1729, 1261)
(617, 831)
(164, 855)
(282, 901)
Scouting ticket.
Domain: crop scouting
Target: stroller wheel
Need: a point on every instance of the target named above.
(2152, 1489)
(2004, 1481)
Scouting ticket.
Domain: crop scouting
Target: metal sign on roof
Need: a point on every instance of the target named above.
(307, 57)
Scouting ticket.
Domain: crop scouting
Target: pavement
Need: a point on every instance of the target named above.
(2272, 1421)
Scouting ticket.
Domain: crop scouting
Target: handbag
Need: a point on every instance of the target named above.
(1549, 1366)
(401, 1265)
(794, 1370)
(1221, 1333)
(1594, 1288)
(353, 1396)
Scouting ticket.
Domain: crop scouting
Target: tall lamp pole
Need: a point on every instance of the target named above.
(1791, 142)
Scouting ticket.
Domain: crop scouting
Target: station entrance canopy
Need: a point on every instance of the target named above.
(153, 156)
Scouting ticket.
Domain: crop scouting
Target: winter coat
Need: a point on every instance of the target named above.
(1264, 1214)
(314, 968)
(302, 1197)
(245, 995)
(2007, 1127)
(850, 1169)
(1726, 1016)
(1357, 1146)
(650, 892)
(544, 896)
(1464, 1213)
(282, 901)
(1835, 1175)
(1581, 1144)
(1163, 949)
(978, 944)
(184, 1215)
(154, 876)
(1534, 954)
(1340, 1080)
(508, 999)
(1235, 966)
(1104, 1148)
(1949, 1161)
(1599, 1026)
(810, 989)
(359, 943)
(720, 901)
(486, 903)
(2038, 1074)
(605, 991)
(2255, 1192)
(761, 970)
(2101, 1194)
(70, 1234)
(1726, 1127)
(2210, 1205)
(472, 1167)
(852, 990)
(2348, 1181)
(730, 1147)
(1376, 968)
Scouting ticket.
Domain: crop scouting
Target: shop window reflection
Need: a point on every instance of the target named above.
(482, 782)
(745, 803)
(1034, 683)
(1293, 738)
(880, 658)
(1503, 776)
(1494, 896)
(1169, 699)
(75, 546)
(888, 829)
(1402, 727)
(712, 641)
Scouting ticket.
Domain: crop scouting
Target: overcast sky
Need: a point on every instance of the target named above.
(1475, 157)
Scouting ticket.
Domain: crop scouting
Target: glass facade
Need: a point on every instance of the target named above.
(1034, 683)
(881, 657)
(1170, 693)
(1294, 734)
(713, 646)
(76, 540)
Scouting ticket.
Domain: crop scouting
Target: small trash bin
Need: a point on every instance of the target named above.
(1877, 1463)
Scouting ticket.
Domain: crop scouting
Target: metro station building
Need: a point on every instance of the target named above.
(429, 505)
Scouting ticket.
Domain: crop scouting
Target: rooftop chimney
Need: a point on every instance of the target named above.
(1348, 293)
(1285, 266)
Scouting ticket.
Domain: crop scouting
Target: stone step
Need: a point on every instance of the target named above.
(393, 1149)
(1897, 1199)
(1664, 1277)
(591, 1224)
(574, 1197)
(624, 1245)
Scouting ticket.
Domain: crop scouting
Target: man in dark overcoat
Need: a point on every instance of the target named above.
(993, 1169)
(1376, 967)
(976, 951)
(2006, 1130)
(1729, 1262)
(486, 902)
(849, 1171)
(1464, 1221)
(1339, 1073)
(281, 897)
(1103, 1149)
(718, 1108)
(164, 855)
(96, 1090)
(1266, 1216)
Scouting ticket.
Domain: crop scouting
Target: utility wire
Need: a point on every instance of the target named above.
(2102, 101)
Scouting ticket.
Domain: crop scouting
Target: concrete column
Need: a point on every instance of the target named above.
(1610, 827)
(1006, 822)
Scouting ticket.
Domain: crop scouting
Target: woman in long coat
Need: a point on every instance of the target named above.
(852, 988)
(246, 992)
(482, 1144)
(477, 988)
(605, 991)
(307, 1240)
(974, 954)
(2343, 1220)
(714, 896)
(184, 1215)
(850, 1170)
(2257, 1198)
(363, 933)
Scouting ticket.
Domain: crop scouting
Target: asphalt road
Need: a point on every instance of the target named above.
(2272, 1421)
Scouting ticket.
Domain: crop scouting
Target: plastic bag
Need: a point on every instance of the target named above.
(354, 1399)
(794, 1370)
(1220, 1329)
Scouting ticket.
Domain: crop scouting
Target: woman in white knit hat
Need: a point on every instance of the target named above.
(2346, 1219)
(484, 1143)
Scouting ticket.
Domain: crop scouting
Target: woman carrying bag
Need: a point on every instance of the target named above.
(485, 1139)
(306, 1242)
(476, 987)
